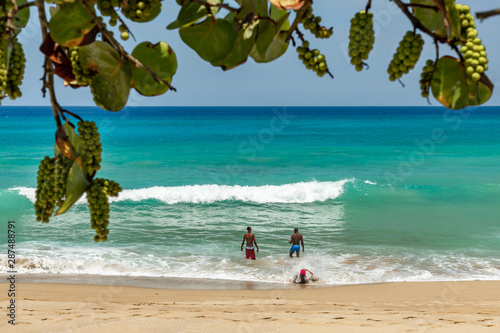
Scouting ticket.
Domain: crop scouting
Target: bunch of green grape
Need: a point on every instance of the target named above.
(61, 170)
(312, 59)
(406, 56)
(45, 198)
(139, 10)
(312, 23)
(90, 144)
(3, 67)
(97, 197)
(426, 77)
(15, 72)
(473, 51)
(82, 76)
(361, 38)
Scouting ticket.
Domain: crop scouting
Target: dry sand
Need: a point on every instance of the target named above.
(390, 307)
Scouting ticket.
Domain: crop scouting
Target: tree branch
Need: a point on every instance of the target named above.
(416, 23)
(120, 48)
(48, 77)
(368, 6)
(485, 15)
(298, 17)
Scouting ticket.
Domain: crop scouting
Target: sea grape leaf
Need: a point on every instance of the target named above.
(76, 184)
(437, 19)
(161, 59)
(212, 39)
(153, 12)
(70, 24)
(452, 87)
(111, 85)
(252, 8)
(271, 43)
(191, 13)
(73, 138)
(22, 17)
(239, 53)
(430, 18)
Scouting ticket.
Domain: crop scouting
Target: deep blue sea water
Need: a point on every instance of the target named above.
(379, 193)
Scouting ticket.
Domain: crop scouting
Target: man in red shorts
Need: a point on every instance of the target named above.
(250, 239)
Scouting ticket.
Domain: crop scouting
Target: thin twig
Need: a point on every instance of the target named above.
(27, 4)
(485, 15)
(368, 6)
(120, 48)
(48, 78)
(124, 24)
(416, 22)
(71, 114)
(298, 17)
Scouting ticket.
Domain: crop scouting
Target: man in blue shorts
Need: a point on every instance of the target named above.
(295, 241)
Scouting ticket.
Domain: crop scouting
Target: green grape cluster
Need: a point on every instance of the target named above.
(406, 56)
(82, 76)
(361, 38)
(90, 143)
(139, 10)
(97, 197)
(15, 71)
(473, 51)
(312, 23)
(45, 198)
(312, 59)
(61, 170)
(426, 77)
(3, 67)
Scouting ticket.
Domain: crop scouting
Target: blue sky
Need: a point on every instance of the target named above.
(284, 82)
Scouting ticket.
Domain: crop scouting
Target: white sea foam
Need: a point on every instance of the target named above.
(304, 192)
(331, 269)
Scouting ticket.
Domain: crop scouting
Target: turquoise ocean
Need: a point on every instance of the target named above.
(380, 193)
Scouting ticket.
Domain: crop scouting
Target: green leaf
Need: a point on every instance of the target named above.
(453, 88)
(22, 17)
(73, 137)
(191, 13)
(76, 185)
(239, 53)
(69, 25)
(252, 8)
(111, 85)
(435, 20)
(161, 59)
(212, 39)
(271, 44)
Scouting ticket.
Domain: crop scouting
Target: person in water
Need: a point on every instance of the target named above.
(302, 276)
(295, 241)
(250, 239)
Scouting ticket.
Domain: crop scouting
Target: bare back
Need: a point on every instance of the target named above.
(296, 239)
(249, 238)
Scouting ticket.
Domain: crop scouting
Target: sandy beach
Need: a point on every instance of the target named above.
(390, 307)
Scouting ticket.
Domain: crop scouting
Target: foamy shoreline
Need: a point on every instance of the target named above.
(389, 307)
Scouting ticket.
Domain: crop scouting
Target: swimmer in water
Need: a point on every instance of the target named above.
(301, 278)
